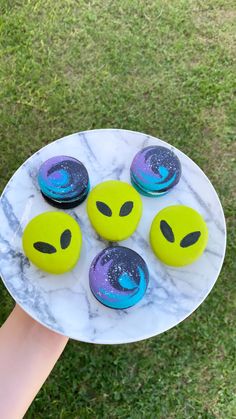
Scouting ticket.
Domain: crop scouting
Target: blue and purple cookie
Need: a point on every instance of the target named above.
(118, 277)
(155, 170)
(63, 181)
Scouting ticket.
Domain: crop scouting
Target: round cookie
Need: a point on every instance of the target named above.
(118, 277)
(52, 241)
(178, 235)
(63, 181)
(114, 209)
(155, 170)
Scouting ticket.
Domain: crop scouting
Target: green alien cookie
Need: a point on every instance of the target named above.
(114, 209)
(52, 241)
(178, 235)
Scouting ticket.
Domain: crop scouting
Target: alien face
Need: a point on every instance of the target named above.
(114, 209)
(178, 235)
(52, 241)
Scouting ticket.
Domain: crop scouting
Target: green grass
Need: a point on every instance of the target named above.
(166, 68)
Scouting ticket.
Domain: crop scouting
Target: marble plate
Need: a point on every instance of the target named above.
(64, 303)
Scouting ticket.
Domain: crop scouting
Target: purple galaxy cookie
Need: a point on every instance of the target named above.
(118, 277)
(64, 181)
(155, 170)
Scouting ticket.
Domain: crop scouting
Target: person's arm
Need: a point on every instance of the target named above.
(28, 352)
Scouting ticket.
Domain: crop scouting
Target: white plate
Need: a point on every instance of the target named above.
(64, 303)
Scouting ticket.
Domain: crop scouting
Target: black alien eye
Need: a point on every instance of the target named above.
(167, 231)
(44, 247)
(126, 208)
(190, 239)
(65, 239)
(103, 208)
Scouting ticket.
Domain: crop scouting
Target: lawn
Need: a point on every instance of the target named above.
(166, 68)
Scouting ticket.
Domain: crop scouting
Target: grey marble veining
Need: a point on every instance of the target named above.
(64, 303)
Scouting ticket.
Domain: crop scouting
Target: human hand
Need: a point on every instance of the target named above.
(28, 352)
